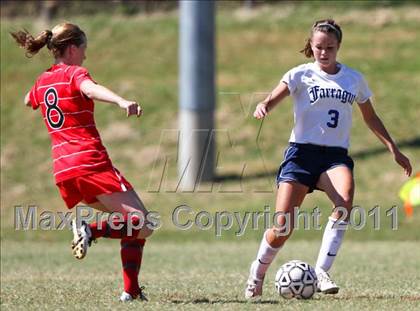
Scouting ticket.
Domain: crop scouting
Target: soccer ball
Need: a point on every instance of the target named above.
(296, 279)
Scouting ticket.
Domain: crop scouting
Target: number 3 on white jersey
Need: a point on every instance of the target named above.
(334, 118)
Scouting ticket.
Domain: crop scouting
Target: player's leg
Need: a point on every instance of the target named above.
(127, 207)
(131, 247)
(84, 233)
(338, 184)
(124, 203)
(127, 203)
(289, 196)
(110, 192)
(131, 257)
(131, 208)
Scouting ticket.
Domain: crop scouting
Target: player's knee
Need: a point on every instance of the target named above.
(347, 200)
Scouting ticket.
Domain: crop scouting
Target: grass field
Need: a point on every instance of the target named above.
(137, 57)
(202, 276)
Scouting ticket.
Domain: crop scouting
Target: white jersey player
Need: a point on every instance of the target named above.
(324, 93)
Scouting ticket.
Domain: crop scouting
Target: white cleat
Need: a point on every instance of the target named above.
(82, 238)
(254, 285)
(126, 297)
(325, 284)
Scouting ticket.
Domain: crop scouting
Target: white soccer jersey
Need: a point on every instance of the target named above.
(323, 103)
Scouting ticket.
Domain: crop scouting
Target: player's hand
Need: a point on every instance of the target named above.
(131, 107)
(260, 111)
(403, 161)
(27, 101)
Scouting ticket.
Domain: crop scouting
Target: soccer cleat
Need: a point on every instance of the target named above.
(141, 295)
(126, 297)
(325, 284)
(82, 238)
(254, 285)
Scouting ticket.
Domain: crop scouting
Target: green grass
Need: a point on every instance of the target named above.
(197, 276)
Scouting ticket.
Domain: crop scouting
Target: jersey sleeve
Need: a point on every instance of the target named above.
(364, 92)
(291, 78)
(80, 74)
(32, 97)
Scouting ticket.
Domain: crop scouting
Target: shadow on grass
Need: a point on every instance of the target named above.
(363, 154)
(222, 301)
(377, 296)
(409, 143)
(280, 301)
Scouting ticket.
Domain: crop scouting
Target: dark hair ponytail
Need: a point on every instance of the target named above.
(327, 26)
(56, 40)
(307, 50)
(32, 45)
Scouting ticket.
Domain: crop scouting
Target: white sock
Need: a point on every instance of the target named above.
(265, 256)
(331, 242)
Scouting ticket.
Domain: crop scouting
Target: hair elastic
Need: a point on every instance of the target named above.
(338, 32)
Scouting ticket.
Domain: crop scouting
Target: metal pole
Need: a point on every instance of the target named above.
(197, 93)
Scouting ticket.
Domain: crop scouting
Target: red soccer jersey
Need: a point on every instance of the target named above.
(68, 114)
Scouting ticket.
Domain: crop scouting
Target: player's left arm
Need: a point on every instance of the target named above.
(375, 124)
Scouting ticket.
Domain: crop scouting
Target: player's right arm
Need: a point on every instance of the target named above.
(99, 92)
(276, 96)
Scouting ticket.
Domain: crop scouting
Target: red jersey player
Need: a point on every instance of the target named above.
(82, 169)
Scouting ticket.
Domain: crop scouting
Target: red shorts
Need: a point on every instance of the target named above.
(87, 187)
